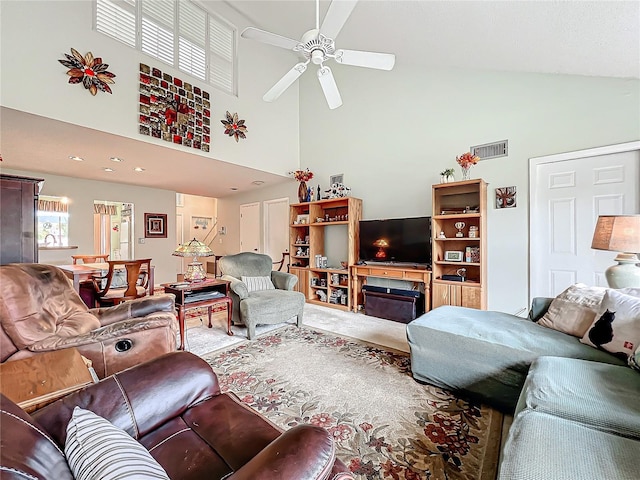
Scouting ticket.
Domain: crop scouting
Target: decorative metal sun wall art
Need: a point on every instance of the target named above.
(174, 110)
(88, 71)
(234, 127)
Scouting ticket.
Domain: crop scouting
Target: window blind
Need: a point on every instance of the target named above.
(179, 33)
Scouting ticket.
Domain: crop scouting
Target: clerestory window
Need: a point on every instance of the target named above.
(179, 33)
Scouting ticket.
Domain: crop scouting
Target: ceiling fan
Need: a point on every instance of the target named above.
(317, 46)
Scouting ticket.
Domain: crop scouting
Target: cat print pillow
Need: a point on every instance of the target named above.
(616, 327)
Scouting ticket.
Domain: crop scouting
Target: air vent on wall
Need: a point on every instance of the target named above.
(491, 150)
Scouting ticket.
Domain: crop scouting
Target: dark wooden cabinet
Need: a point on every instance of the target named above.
(18, 217)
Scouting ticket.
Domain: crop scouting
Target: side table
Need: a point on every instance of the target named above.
(36, 381)
(196, 295)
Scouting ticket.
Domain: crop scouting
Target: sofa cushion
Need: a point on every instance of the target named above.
(634, 360)
(573, 310)
(255, 284)
(486, 354)
(616, 328)
(97, 449)
(542, 446)
(601, 396)
(31, 310)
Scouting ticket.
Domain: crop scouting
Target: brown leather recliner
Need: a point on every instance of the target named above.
(173, 406)
(40, 311)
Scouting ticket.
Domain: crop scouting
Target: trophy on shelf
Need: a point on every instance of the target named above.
(459, 226)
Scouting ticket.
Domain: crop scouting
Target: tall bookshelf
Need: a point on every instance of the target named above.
(459, 232)
(309, 224)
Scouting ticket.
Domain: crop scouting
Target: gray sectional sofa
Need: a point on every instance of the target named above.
(576, 408)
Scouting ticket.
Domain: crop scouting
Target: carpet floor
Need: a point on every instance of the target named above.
(386, 425)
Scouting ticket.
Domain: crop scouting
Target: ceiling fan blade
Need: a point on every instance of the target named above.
(263, 36)
(329, 87)
(285, 82)
(381, 61)
(336, 16)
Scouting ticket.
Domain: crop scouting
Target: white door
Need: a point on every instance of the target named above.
(567, 195)
(276, 228)
(250, 227)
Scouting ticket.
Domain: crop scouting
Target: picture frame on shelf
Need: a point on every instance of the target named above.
(453, 256)
(155, 225)
(338, 178)
(302, 219)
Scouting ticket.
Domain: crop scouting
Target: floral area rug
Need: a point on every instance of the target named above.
(385, 424)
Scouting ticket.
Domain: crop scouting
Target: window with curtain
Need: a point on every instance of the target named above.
(179, 33)
(53, 221)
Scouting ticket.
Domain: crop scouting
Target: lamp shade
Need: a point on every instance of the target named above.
(195, 249)
(619, 233)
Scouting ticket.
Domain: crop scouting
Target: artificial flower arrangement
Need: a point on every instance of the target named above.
(302, 175)
(467, 160)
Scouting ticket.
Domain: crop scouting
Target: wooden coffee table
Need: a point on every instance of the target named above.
(36, 381)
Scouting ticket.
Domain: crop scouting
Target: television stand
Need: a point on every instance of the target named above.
(360, 273)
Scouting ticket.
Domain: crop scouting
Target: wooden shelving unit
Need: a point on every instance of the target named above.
(328, 285)
(459, 202)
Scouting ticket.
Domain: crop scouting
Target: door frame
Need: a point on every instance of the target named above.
(535, 162)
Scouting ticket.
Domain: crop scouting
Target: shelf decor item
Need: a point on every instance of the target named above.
(302, 176)
(466, 161)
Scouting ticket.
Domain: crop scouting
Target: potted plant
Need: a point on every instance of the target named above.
(446, 176)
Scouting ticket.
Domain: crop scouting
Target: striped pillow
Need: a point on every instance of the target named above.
(258, 283)
(97, 449)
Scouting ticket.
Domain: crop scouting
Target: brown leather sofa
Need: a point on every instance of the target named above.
(40, 311)
(173, 406)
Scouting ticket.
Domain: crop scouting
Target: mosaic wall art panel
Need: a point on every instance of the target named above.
(174, 110)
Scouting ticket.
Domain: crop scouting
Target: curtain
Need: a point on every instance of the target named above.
(52, 206)
(103, 209)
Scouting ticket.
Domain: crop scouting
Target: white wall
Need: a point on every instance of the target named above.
(35, 34)
(398, 130)
(82, 193)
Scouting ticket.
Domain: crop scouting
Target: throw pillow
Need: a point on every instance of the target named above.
(97, 449)
(255, 284)
(634, 360)
(616, 328)
(574, 309)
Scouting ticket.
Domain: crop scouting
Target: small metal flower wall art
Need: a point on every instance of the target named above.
(88, 70)
(234, 127)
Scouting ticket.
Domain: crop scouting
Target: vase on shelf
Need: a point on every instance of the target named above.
(302, 192)
(466, 173)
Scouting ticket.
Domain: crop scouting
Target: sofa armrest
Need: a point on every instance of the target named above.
(539, 306)
(304, 451)
(237, 286)
(137, 400)
(140, 307)
(283, 280)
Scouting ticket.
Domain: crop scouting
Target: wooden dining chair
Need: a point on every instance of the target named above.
(125, 280)
(94, 258)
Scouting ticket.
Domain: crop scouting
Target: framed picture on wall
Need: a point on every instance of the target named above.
(155, 225)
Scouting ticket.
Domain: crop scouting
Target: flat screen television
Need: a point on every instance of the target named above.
(396, 240)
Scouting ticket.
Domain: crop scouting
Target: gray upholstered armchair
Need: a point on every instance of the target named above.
(260, 295)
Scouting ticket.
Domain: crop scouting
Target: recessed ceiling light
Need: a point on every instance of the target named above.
(233, 189)
(77, 159)
(107, 169)
(257, 182)
(116, 159)
(139, 169)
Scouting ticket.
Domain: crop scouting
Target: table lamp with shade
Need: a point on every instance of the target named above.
(195, 249)
(620, 233)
